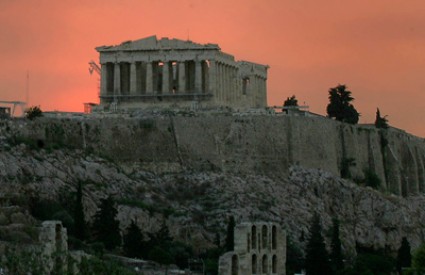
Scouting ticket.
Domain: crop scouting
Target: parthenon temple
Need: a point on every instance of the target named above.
(177, 73)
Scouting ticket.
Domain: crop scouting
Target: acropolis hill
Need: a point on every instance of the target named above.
(194, 170)
(242, 144)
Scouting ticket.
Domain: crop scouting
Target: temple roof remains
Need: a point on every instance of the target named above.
(151, 43)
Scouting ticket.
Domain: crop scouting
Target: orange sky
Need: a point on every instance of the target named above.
(376, 48)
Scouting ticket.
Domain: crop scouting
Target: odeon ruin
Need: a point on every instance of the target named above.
(260, 248)
(177, 73)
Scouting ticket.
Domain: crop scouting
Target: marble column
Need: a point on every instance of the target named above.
(182, 77)
(198, 76)
(104, 79)
(117, 79)
(149, 80)
(212, 89)
(133, 81)
(166, 78)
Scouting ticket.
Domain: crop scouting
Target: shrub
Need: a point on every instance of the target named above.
(33, 112)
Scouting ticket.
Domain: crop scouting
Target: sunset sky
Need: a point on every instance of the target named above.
(375, 47)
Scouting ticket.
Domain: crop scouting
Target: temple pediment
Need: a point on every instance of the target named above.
(151, 43)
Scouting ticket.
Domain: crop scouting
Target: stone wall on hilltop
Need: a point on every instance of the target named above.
(259, 144)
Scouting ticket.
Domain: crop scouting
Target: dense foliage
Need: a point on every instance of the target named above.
(404, 257)
(340, 106)
(317, 258)
(230, 239)
(33, 112)
(336, 253)
(381, 122)
(105, 225)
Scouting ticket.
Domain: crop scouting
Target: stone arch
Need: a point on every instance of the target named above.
(254, 237)
(274, 240)
(264, 235)
(274, 264)
(254, 264)
(264, 265)
(235, 265)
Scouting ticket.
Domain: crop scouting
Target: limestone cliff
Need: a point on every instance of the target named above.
(197, 170)
(258, 144)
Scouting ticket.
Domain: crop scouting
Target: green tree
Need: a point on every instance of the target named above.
(105, 225)
(290, 102)
(336, 253)
(418, 260)
(133, 241)
(340, 106)
(404, 258)
(33, 112)
(317, 259)
(372, 179)
(380, 122)
(80, 227)
(230, 238)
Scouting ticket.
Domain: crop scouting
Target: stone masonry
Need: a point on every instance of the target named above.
(176, 73)
(260, 248)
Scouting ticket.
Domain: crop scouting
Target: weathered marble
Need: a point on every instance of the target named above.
(176, 73)
(260, 248)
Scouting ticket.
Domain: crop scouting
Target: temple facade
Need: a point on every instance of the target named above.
(153, 72)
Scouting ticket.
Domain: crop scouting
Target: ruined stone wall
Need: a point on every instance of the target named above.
(259, 144)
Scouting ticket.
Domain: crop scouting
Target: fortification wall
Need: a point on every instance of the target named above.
(258, 144)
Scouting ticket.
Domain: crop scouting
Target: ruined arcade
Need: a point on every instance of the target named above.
(260, 248)
(177, 73)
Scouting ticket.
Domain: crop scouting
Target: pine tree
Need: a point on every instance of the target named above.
(380, 122)
(404, 258)
(133, 241)
(336, 254)
(79, 219)
(340, 106)
(105, 226)
(230, 238)
(317, 259)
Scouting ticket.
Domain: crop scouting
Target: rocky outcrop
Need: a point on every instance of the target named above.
(259, 144)
(194, 172)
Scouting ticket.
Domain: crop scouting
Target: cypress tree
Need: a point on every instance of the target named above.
(336, 254)
(317, 259)
(404, 258)
(133, 241)
(230, 238)
(105, 226)
(79, 219)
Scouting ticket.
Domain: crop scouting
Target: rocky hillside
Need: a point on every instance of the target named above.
(195, 172)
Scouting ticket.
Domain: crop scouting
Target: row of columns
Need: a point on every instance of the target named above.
(199, 74)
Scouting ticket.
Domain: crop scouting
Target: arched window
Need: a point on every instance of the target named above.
(254, 237)
(235, 265)
(264, 234)
(274, 241)
(254, 264)
(274, 264)
(264, 265)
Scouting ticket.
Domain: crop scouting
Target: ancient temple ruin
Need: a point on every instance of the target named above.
(177, 73)
(260, 248)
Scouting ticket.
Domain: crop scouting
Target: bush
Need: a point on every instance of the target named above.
(372, 179)
(33, 112)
